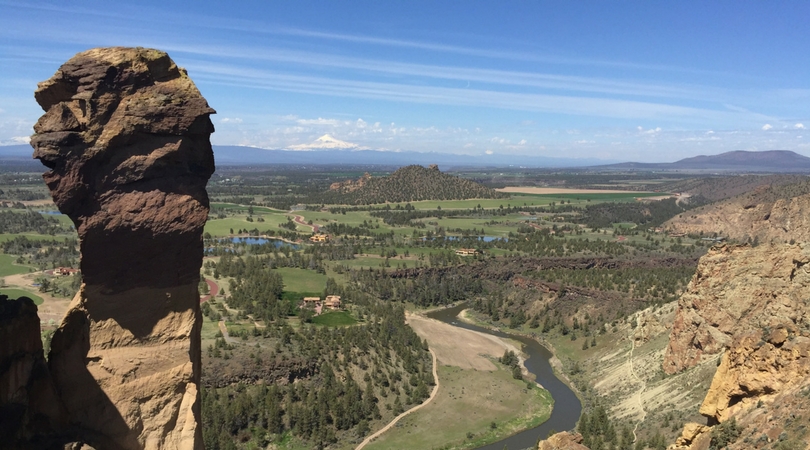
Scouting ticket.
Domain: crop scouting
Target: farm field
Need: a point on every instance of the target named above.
(302, 280)
(17, 293)
(8, 267)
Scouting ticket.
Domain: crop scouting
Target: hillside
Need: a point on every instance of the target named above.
(740, 161)
(408, 184)
(718, 188)
(767, 213)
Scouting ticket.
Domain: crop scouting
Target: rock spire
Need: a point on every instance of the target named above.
(125, 135)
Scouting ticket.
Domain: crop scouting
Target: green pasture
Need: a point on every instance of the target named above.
(8, 267)
(467, 403)
(17, 293)
(334, 319)
(302, 280)
(624, 225)
(222, 227)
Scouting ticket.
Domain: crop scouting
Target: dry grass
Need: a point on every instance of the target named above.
(459, 347)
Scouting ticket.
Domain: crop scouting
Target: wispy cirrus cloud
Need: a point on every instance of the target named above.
(234, 75)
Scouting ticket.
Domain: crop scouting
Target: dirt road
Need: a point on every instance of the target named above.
(415, 408)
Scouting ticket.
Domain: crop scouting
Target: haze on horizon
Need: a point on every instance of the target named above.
(648, 82)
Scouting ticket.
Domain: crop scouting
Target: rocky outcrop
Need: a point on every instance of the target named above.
(694, 437)
(562, 441)
(752, 303)
(767, 214)
(125, 135)
(757, 367)
(738, 289)
(759, 395)
(30, 413)
(350, 185)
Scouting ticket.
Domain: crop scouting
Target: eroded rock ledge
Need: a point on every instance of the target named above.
(125, 135)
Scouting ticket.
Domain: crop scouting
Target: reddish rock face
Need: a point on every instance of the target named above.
(126, 138)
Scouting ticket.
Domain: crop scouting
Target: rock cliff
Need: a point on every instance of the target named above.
(752, 303)
(562, 441)
(30, 412)
(769, 213)
(125, 135)
(737, 289)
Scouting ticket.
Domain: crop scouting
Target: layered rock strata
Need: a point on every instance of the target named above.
(738, 289)
(753, 304)
(125, 135)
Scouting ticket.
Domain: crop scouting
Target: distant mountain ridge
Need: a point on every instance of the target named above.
(408, 184)
(230, 155)
(740, 160)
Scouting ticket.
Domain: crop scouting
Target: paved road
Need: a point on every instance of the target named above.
(300, 221)
(213, 289)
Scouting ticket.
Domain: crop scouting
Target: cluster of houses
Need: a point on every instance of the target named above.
(331, 302)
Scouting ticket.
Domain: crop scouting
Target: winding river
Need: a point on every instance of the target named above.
(567, 407)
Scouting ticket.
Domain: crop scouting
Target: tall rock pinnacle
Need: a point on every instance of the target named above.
(125, 135)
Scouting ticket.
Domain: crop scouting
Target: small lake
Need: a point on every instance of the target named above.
(278, 243)
(567, 407)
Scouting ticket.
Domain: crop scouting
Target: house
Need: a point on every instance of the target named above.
(311, 301)
(64, 271)
(332, 302)
(468, 252)
(318, 238)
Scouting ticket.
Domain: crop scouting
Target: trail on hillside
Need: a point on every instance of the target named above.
(415, 408)
(643, 383)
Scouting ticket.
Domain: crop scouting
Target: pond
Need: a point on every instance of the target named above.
(249, 241)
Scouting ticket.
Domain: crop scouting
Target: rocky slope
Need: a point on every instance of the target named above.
(769, 213)
(737, 289)
(753, 304)
(125, 135)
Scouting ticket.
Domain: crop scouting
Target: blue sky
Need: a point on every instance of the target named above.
(630, 80)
